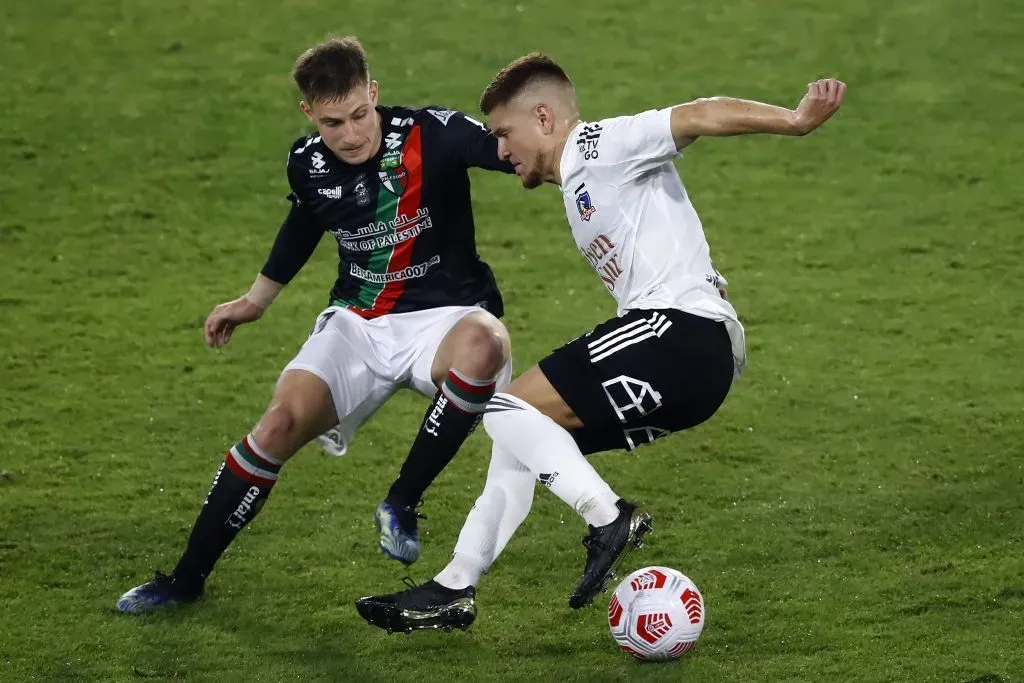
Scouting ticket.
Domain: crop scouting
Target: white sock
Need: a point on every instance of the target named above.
(461, 572)
(499, 510)
(550, 452)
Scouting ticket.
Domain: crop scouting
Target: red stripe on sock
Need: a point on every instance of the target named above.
(471, 388)
(248, 444)
(246, 476)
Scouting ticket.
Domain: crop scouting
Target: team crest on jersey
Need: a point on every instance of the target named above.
(394, 178)
(392, 173)
(392, 159)
(583, 203)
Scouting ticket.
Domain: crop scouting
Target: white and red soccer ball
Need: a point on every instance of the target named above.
(656, 614)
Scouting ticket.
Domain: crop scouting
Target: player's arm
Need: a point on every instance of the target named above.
(726, 116)
(476, 145)
(295, 242)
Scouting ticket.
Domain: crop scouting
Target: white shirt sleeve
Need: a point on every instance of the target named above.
(629, 146)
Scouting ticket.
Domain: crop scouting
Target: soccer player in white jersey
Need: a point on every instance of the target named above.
(664, 364)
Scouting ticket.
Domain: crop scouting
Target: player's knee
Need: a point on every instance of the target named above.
(277, 431)
(483, 348)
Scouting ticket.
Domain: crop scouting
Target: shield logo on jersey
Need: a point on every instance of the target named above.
(392, 172)
(394, 180)
(584, 205)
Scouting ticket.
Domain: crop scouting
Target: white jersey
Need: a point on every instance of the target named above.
(633, 221)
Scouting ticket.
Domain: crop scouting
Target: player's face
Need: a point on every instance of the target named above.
(348, 125)
(521, 140)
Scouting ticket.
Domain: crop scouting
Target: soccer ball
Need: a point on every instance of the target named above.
(656, 614)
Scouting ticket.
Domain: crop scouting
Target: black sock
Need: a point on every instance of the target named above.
(239, 490)
(451, 418)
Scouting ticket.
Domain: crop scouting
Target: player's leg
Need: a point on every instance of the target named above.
(531, 421)
(465, 363)
(301, 409)
(449, 600)
(328, 379)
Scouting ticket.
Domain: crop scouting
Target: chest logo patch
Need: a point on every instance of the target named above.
(583, 203)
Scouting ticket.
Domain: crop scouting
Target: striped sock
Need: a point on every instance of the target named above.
(467, 394)
(250, 463)
(239, 490)
(449, 419)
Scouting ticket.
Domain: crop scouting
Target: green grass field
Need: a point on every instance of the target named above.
(853, 513)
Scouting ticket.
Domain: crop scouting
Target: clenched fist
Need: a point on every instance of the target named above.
(822, 100)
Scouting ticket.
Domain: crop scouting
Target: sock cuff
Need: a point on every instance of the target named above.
(255, 447)
(468, 394)
(250, 463)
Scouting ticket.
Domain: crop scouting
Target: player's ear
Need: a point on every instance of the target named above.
(545, 117)
(374, 91)
(307, 110)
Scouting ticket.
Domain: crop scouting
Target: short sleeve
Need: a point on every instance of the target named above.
(629, 146)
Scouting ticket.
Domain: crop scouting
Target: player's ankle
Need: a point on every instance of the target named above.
(601, 509)
(461, 573)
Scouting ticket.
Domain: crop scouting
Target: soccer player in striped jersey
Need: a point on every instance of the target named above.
(413, 306)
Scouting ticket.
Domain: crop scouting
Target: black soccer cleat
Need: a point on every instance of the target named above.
(607, 546)
(429, 605)
(161, 591)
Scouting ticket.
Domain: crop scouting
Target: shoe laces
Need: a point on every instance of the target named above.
(416, 510)
(592, 543)
(408, 581)
(161, 578)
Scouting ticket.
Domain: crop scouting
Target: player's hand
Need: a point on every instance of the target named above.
(822, 100)
(223, 320)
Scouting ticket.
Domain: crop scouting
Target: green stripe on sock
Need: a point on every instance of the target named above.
(255, 460)
(478, 397)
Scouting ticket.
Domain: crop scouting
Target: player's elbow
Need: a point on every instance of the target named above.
(692, 120)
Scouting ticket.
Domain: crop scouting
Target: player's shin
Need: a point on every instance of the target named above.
(451, 417)
(501, 508)
(552, 455)
(239, 490)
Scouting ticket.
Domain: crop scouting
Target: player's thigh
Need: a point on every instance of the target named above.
(534, 387)
(302, 408)
(342, 354)
(635, 378)
(428, 342)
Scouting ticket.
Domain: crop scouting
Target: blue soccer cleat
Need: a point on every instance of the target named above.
(161, 591)
(399, 539)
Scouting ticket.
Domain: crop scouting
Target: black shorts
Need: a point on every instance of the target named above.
(642, 376)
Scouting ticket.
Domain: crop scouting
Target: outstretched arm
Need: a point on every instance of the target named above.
(725, 116)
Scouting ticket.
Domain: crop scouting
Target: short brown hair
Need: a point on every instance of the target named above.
(330, 69)
(511, 80)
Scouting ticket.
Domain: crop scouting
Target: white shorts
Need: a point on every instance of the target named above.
(365, 361)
